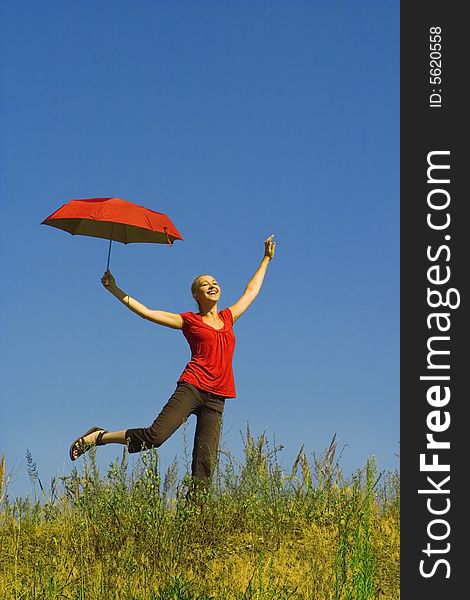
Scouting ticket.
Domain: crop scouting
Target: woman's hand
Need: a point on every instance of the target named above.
(255, 283)
(108, 281)
(269, 247)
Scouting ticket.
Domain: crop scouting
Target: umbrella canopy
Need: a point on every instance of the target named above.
(114, 219)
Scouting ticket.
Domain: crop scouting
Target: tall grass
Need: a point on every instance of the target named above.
(259, 532)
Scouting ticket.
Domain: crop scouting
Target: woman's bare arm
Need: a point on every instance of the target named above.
(160, 317)
(254, 285)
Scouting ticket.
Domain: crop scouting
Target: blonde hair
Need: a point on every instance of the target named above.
(194, 288)
(194, 284)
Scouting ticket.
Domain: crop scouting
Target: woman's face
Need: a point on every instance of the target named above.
(206, 288)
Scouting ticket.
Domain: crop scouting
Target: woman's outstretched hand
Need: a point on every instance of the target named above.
(108, 280)
(269, 247)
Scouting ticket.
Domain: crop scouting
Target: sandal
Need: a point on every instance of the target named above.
(82, 447)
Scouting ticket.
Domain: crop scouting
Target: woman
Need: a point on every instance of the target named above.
(207, 379)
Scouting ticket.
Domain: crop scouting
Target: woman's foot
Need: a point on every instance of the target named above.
(93, 437)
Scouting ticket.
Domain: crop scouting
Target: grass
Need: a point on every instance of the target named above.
(259, 532)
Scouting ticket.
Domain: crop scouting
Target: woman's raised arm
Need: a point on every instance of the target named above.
(254, 285)
(160, 317)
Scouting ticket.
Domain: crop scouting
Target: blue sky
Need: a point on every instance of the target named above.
(237, 120)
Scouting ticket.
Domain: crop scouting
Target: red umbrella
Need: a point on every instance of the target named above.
(114, 219)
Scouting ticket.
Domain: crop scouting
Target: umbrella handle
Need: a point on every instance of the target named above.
(109, 254)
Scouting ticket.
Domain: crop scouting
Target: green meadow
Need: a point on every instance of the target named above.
(260, 531)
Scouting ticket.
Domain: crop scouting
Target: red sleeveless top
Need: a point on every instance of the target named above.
(210, 367)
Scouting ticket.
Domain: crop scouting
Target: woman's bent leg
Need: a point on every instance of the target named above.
(182, 403)
(114, 437)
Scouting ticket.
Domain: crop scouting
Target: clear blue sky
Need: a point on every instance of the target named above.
(237, 120)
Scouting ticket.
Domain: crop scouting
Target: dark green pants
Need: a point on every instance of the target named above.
(186, 400)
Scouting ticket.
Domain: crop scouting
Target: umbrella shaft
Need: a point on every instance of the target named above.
(109, 254)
